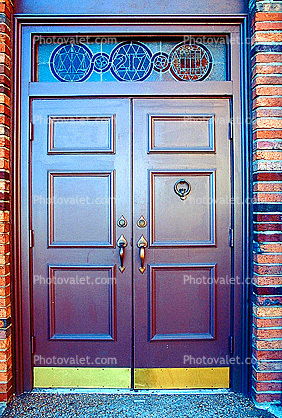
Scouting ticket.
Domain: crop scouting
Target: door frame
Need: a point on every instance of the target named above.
(24, 90)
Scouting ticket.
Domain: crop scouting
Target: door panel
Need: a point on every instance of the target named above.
(172, 222)
(181, 309)
(88, 190)
(69, 323)
(81, 163)
(164, 317)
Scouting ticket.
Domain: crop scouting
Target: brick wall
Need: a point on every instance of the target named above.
(6, 10)
(266, 63)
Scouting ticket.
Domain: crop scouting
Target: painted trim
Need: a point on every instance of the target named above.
(23, 316)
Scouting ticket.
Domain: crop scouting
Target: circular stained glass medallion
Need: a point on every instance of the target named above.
(161, 62)
(71, 62)
(101, 62)
(131, 61)
(190, 62)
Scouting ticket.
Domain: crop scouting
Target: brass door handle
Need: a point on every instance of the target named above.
(142, 244)
(121, 243)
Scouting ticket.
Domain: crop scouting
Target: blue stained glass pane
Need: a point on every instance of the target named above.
(71, 62)
(131, 61)
(134, 61)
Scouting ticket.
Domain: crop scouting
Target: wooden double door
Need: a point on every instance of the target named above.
(131, 256)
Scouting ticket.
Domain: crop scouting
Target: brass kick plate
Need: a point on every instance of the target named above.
(120, 378)
(68, 377)
(188, 378)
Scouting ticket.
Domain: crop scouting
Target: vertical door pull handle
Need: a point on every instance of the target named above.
(142, 244)
(121, 243)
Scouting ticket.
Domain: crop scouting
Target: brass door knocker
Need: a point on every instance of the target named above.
(182, 188)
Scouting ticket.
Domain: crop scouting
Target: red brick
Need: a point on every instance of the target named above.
(4, 79)
(267, 269)
(4, 217)
(266, 69)
(6, 365)
(5, 109)
(4, 228)
(268, 258)
(5, 344)
(4, 142)
(5, 38)
(5, 29)
(262, 57)
(6, 396)
(260, 144)
(5, 280)
(5, 387)
(269, 300)
(269, 217)
(268, 187)
(273, 36)
(5, 301)
(267, 227)
(4, 291)
(267, 90)
(265, 26)
(267, 123)
(273, 134)
(268, 386)
(267, 397)
(267, 355)
(267, 112)
(5, 313)
(5, 59)
(5, 99)
(5, 120)
(267, 101)
(268, 176)
(265, 376)
(267, 197)
(262, 17)
(267, 333)
(268, 155)
(4, 355)
(268, 280)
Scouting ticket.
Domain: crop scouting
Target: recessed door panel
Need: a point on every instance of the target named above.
(189, 133)
(83, 200)
(75, 312)
(180, 316)
(76, 134)
(174, 221)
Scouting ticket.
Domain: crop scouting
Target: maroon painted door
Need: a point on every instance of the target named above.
(92, 186)
(182, 300)
(81, 171)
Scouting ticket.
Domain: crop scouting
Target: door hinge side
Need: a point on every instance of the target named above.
(231, 344)
(31, 128)
(231, 237)
(31, 238)
(231, 130)
(33, 341)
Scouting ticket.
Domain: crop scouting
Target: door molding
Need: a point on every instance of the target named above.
(24, 91)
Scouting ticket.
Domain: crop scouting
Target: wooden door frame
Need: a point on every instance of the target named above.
(27, 26)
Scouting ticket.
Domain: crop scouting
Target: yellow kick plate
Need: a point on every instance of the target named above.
(191, 378)
(67, 377)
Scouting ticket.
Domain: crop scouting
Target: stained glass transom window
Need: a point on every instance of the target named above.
(132, 60)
